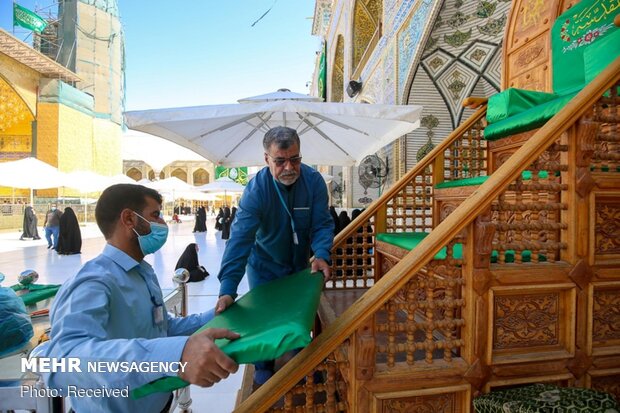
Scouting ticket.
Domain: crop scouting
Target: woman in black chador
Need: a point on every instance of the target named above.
(201, 220)
(30, 225)
(219, 219)
(189, 261)
(332, 212)
(226, 223)
(69, 235)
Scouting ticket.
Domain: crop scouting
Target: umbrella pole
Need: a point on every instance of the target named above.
(32, 197)
(85, 207)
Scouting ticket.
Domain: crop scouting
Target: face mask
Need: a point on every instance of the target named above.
(154, 240)
(53, 208)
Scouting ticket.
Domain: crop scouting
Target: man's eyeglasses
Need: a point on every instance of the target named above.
(295, 160)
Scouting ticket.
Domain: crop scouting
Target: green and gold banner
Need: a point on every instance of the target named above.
(322, 78)
(239, 175)
(27, 19)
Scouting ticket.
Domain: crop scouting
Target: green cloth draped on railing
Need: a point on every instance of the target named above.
(36, 292)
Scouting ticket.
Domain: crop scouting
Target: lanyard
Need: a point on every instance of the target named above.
(158, 308)
(295, 239)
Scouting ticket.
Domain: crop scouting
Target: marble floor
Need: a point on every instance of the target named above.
(16, 256)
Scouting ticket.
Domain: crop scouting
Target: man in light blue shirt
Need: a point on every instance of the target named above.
(113, 310)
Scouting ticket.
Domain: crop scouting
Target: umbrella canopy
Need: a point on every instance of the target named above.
(232, 135)
(121, 179)
(30, 173)
(86, 181)
(196, 196)
(154, 151)
(224, 184)
(169, 185)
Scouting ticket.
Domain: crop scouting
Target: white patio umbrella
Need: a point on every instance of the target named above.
(169, 186)
(86, 182)
(231, 135)
(222, 185)
(30, 173)
(121, 179)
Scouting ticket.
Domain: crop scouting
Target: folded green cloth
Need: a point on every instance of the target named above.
(36, 292)
(272, 319)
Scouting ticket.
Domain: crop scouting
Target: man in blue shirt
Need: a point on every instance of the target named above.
(282, 218)
(113, 310)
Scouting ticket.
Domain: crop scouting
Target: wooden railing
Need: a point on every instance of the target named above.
(409, 278)
(407, 206)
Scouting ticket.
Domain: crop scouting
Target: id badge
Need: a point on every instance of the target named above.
(158, 315)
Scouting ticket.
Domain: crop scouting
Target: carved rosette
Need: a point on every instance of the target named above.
(526, 320)
(606, 315)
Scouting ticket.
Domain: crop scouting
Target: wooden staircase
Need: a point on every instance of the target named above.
(408, 330)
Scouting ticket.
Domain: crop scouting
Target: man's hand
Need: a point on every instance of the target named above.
(320, 264)
(206, 363)
(223, 303)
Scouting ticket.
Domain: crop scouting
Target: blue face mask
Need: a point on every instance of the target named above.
(154, 240)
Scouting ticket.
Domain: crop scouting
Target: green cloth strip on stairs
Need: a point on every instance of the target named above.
(410, 240)
(479, 180)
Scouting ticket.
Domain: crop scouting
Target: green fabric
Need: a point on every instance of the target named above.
(479, 180)
(574, 32)
(410, 240)
(513, 101)
(598, 56)
(28, 19)
(530, 119)
(272, 319)
(545, 398)
(36, 292)
(584, 41)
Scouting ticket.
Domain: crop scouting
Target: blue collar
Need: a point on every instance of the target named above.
(122, 258)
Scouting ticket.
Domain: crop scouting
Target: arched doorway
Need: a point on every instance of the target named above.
(180, 173)
(134, 173)
(201, 177)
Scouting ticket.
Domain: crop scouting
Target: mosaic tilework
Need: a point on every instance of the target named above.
(462, 57)
(408, 40)
(389, 75)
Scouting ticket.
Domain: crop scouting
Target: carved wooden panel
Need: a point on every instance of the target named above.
(604, 315)
(535, 78)
(607, 225)
(454, 399)
(533, 322)
(533, 54)
(445, 403)
(502, 149)
(527, 49)
(526, 320)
